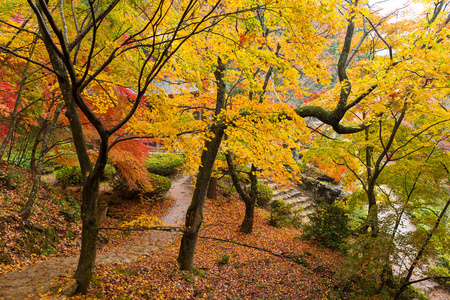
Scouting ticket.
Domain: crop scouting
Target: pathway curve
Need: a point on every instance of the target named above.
(36, 278)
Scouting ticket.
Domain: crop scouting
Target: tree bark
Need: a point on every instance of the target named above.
(194, 214)
(212, 189)
(26, 211)
(89, 228)
(249, 200)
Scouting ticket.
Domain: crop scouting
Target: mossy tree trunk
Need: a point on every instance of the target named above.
(194, 214)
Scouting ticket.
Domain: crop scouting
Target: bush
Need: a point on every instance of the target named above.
(328, 225)
(264, 196)
(159, 183)
(164, 164)
(69, 175)
(280, 207)
(280, 214)
(109, 173)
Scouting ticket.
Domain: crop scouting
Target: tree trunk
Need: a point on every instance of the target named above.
(372, 216)
(212, 189)
(89, 228)
(26, 211)
(194, 214)
(247, 224)
(249, 200)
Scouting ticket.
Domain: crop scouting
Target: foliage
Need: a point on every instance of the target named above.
(68, 175)
(328, 225)
(281, 214)
(164, 164)
(158, 186)
(441, 268)
(264, 196)
(280, 208)
(109, 172)
(357, 219)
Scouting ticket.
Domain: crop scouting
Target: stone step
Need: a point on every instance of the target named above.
(290, 195)
(281, 192)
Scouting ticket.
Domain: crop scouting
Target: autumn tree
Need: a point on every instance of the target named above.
(86, 41)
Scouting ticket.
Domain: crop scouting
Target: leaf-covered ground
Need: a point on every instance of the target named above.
(225, 270)
(54, 228)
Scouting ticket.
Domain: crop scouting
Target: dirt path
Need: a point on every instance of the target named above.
(34, 279)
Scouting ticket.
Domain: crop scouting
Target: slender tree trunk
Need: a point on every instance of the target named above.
(194, 214)
(405, 280)
(249, 199)
(372, 217)
(37, 140)
(26, 211)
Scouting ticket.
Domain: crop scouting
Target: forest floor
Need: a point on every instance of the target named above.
(143, 265)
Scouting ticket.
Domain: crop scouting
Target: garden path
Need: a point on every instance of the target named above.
(29, 282)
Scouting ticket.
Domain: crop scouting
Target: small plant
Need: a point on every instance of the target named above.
(160, 184)
(188, 278)
(280, 208)
(68, 175)
(281, 215)
(199, 272)
(224, 259)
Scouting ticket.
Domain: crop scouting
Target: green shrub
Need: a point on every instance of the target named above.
(109, 173)
(164, 164)
(280, 207)
(281, 215)
(264, 196)
(160, 185)
(69, 175)
(328, 225)
(69, 208)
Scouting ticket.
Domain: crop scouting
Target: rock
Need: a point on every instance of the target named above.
(322, 190)
(70, 287)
